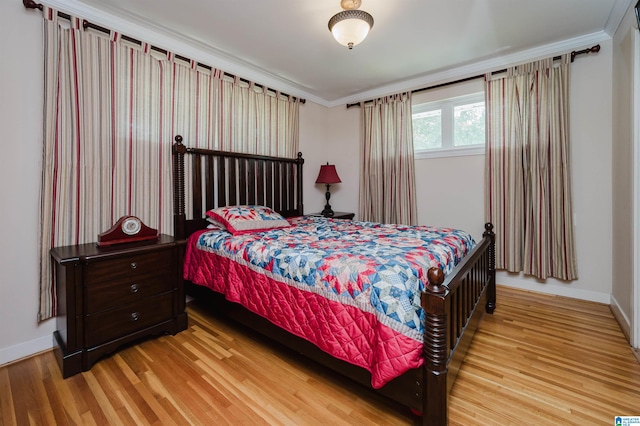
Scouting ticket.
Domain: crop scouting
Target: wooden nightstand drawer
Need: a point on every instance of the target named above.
(128, 268)
(108, 295)
(108, 325)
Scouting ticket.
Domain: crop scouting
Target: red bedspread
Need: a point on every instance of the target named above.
(311, 280)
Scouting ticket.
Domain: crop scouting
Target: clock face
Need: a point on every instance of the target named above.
(131, 225)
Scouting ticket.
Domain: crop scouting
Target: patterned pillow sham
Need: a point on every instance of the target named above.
(244, 219)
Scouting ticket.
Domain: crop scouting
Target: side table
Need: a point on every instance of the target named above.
(110, 296)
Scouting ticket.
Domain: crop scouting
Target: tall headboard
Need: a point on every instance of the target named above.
(218, 178)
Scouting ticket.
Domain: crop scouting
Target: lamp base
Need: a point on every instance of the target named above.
(327, 212)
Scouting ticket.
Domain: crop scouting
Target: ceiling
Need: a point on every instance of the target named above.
(286, 44)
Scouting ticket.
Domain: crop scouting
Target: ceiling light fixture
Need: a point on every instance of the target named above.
(350, 26)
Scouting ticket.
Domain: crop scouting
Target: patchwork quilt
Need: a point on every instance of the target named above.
(351, 288)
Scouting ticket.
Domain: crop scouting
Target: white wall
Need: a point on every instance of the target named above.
(343, 148)
(21, 82)
(448, 198)
(314, 134)
(623, 172)
(327, 135)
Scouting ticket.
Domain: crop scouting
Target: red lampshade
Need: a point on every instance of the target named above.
(328, 175)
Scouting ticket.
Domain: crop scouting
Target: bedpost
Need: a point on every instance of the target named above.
(436, 349)
(179, 217)
(491, 251)
(300, 205)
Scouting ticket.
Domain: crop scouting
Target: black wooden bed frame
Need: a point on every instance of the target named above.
(453, 304)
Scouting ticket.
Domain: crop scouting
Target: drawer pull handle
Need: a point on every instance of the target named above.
(135, 316)
(134, 288)
(134, 265)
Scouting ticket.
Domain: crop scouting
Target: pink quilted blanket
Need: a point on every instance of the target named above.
(351, 288)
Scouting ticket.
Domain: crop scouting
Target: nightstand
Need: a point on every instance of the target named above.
(110, 296)
(337, 215)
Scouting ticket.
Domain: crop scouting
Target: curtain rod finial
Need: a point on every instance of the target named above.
(30, 4)
(593, 49)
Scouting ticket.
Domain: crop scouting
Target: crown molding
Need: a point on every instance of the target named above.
(620, 9)
(478, 68)
(166, 38)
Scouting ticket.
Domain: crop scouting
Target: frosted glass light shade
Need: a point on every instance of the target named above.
(350, 27)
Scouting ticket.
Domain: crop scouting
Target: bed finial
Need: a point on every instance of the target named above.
(178, 147)
(179, 218)
(436, 278)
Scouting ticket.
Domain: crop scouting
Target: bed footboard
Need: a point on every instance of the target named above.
(453, 309)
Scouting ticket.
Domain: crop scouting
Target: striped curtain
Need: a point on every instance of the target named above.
(528, 178)
(387, 170)
(112, 109)
(270, 114)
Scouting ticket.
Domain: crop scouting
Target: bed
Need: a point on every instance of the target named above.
(430, 334)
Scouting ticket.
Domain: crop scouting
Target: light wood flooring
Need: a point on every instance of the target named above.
(538, 360)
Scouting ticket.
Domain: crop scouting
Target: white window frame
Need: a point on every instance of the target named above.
(446, 106)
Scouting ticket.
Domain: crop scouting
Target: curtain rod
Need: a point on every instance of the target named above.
(594, 49)
(31, 4)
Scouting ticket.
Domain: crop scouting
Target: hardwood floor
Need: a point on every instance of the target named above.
(538, 360)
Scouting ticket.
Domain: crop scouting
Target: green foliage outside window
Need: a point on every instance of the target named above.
(427, 130)
(468, 124)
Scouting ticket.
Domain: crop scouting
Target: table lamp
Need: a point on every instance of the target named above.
(328, 175)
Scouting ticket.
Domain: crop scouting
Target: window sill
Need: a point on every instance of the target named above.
(449, 152)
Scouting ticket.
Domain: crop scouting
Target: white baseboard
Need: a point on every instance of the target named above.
(618, 313)
(25, 349)
(550, 288)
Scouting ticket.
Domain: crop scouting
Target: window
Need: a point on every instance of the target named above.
(449, 127)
